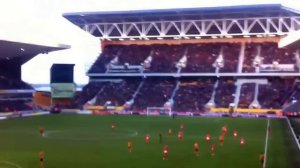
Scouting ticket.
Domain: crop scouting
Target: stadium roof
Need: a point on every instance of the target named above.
(292, 40)
(243, 11)
(11, 49)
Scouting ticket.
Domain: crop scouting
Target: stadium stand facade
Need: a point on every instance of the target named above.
(15, 94)
(194, 59)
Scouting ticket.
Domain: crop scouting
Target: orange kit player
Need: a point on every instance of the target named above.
(242, 141)
(42, 158)
(196, 149)
(180, 135)
(262, 159)
(42, 131)
(113, 127)
(181, 127)
(170, 132)
(207, 137)
(224, 129)
(165, 152)
(212, 149)
(221, 139)
(235, 134)
(147, 138)
(129, 146)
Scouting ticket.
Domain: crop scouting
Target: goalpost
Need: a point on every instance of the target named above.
(159, 111)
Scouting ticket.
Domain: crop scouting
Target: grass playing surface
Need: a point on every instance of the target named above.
(79, 141)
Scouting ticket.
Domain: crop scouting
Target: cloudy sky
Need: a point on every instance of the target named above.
(41, 22)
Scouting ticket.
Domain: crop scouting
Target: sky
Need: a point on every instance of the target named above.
(41, 22)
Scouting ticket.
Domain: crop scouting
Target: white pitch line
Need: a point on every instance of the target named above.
(266, 143)
(10, 164)
(293, 132)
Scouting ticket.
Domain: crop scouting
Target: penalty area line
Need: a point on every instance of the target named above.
(266, 144)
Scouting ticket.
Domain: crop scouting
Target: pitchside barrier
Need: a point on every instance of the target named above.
(252, 111)
(116, 108)
(215, 110)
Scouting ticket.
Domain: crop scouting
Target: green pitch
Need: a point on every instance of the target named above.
(79, 141)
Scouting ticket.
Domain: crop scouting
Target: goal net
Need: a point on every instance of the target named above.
(159, 111)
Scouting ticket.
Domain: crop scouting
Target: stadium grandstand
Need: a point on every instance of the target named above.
(192, 71)
(225, 56)
(16, 95)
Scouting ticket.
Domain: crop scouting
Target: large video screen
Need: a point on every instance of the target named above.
(63, 90)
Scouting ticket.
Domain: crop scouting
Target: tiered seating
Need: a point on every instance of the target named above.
(200, 57)
(117, 92)
(104, 59)
(224, 93)
(270, 52)
(165, 57)
(10, 102)
(134, 54)
(154, 93)
(193, 94)
(231, 56)
(250, 52)
(15, 105)
(10, 83)
(271, 95)
(247, 95)
(88, 92)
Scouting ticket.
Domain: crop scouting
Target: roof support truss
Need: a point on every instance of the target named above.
(262, 26)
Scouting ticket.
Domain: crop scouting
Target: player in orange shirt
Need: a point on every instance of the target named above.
(113, 126)
(235, 134)
(212, 149)
(180, 135)
(242, 141)
(147, 138)
(262, 159)
(196, 149)
(42, 158)
(129, 146)
(224, 130)
(221, 139)
(165, 152)
(170, 131)
(181, 127)
(42, 131)
(207, 137)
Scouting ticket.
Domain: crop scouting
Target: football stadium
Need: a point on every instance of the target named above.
(200, 86)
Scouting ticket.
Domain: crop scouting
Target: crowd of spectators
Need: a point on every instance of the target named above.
(108, 53)
(225, 92)
(270, 52)
(13, 100)
(247, 95)
(266, 53)
(165, 57)
(200, 57)
(271, 95)
(116, 93)
(231, 53)
(11, 83)
(16, 105)
(193, 94)
(88, 92)
(133, 54)
(251, 51)
(154, 93)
